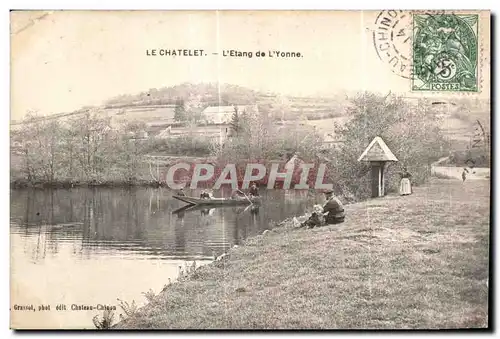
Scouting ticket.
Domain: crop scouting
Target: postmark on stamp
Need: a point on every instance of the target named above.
(445, 52)
(392, 39)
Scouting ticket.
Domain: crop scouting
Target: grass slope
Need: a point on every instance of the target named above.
(419, 261)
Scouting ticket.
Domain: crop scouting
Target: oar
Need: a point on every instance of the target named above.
(250, 201)
(240, 210)
(184, 209)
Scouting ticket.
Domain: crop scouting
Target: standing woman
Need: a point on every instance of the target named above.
(405, 185)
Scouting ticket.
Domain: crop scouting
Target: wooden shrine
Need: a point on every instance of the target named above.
(378, 154)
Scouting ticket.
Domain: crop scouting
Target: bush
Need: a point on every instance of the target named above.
(474, 157)
(325, 115)
(105, 322)
(185, 145)
(443, 176)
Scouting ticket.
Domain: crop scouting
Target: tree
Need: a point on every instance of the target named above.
(235, 121)
(410, 131)
(179, 112)
(193, 108)
(281, 109)
(259, 138)
(41, 148)
(95, 144)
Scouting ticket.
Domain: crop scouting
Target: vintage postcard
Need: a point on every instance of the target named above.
(250, 169)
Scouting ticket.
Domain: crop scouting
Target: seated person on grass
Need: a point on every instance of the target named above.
(332, 212)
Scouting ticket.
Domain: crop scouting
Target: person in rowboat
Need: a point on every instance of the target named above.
(181, 193)
(237, 195)
(254, 191)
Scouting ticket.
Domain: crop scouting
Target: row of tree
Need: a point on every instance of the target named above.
(254, 135)
(84, 149)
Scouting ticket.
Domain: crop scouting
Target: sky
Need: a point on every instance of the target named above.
(65, 60)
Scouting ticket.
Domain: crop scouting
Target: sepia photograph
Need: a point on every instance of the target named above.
(250, 169)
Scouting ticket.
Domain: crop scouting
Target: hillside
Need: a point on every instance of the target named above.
(157, 105)
(156, 108)
(199, 96)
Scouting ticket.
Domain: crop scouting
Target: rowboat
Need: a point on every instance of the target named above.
(217, 201)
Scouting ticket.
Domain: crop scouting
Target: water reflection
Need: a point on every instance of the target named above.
(141, 221)
(96, 245)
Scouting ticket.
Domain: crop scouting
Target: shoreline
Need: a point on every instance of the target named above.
(319, 278)
(442, 172)
(17, 184)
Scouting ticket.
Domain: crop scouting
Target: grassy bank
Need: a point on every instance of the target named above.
(419, 261)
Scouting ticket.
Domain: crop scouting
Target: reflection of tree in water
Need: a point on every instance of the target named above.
(32, 222)
(133, 229)
(180, 237)
(140, 220)
(40, 251)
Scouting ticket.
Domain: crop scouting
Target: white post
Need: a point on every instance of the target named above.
(380, 189)
(383, 178)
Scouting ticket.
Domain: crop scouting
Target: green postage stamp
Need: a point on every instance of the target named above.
(445, 52)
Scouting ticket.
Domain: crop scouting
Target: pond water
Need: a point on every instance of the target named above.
(94, 246)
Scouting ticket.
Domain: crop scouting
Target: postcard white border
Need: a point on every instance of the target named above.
(186, 4)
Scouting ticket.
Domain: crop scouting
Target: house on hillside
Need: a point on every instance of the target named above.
(211, 133)
(218, 115)
(151, 115)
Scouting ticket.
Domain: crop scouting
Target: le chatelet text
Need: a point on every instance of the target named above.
(176, 52)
